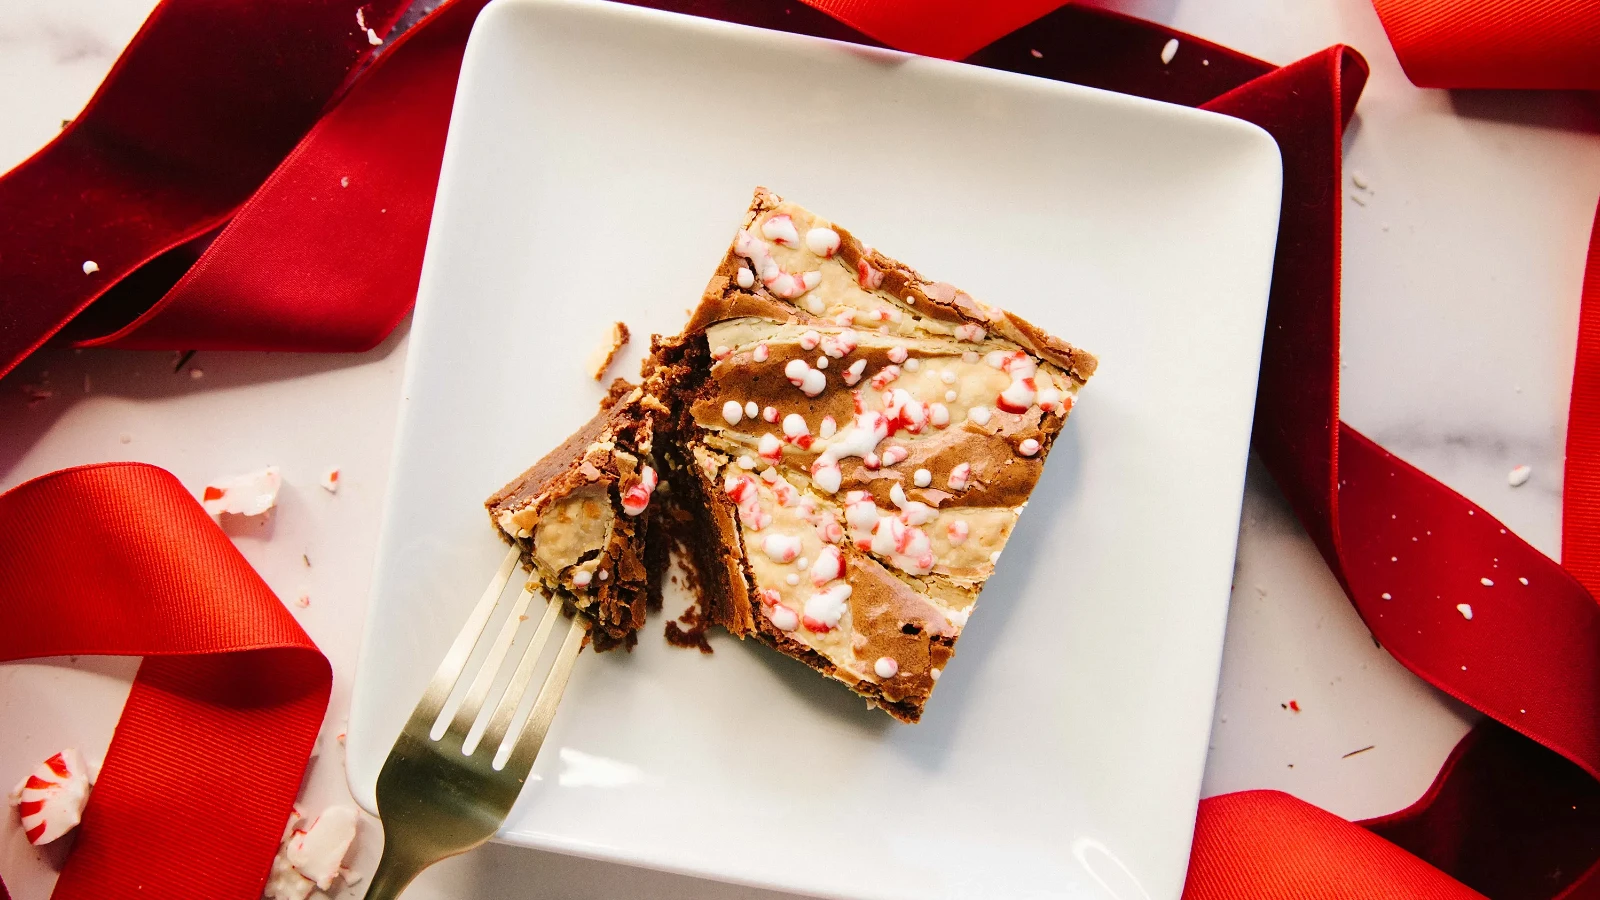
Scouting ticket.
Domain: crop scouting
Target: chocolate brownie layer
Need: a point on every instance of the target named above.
(581, 516)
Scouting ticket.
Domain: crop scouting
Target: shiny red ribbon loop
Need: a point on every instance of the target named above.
(118, 559)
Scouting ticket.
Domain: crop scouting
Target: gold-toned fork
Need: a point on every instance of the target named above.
(437, 800)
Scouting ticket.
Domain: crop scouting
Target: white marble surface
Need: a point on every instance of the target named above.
(1462, 265)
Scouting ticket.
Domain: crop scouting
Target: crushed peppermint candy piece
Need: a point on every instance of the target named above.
(958, 532)
(243, 495)
(330, 481)
(50, 801)
(732, 412)
(780, 230)
(318, 852)
(745, 278)
(824, 242)
(810, 381)
(1028, 447)
(922, 478)
(970, 333)
(637, 498)
(825, 608)
(781, 548)
(90, 267)
(828, 427)
(1168, 51)
(751, 409)
(1465, 609)
(886, 667)
(960, 476)
(853, 374)
(979, 415)
(1519, 476)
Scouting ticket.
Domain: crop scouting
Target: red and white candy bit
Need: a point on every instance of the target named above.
(886, 667)
(958, 531)
(581, 578)
(969, 332)
(979, 415)
(330, 481)
(721, 352)
(50, 801)
(770, 448)
(828, 567)
(732, 412)
(869, 277)
(761, 353)
(905, 411)
(770, 414)
(318, 852)
(784, 284)
(893, 454)
(853, 374)
(912, 512)
(1028, 447)
(906, 546)
(826, 475)
(800, 374)
(828, 428)
(637, 498)
(742, 490)
(960, 476)
(782, 617)
(939, 415)
(796, 431)
(885, 375)
(243, 495)
(824, 242)
(871, 461)
(840, 345)
(897, 354)
(809, 340)
(746, 278)
(780, 230)
(768, 596)
(785, 492)
(1048, 398)
(781, 548)
(825, 608)
(1017, 397)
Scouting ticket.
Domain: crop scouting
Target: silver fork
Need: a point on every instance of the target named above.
(436, 800)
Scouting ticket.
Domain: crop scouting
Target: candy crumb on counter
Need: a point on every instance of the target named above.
(50, 801)
(330, 481)
(243, 495)
(317, 852)
(90, 267)
(1519, 476)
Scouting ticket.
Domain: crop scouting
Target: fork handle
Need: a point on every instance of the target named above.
(394, 874)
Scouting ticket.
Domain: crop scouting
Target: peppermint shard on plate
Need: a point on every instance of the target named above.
(581, 517)
(854, 444)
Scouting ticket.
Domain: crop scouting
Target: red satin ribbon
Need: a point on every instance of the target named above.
(1496, 43)
(309, 262)
(118, 559)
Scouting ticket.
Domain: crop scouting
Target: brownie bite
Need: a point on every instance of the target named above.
(582, 514)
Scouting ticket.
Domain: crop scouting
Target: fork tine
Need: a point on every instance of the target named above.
(506, 709)
(444, 677)
(472, 703)
(527, 741)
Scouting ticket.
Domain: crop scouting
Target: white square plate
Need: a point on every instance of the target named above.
(599, 159)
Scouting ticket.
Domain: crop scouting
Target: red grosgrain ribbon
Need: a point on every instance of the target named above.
(307, 261)
(118, 559)
(1496, 43)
